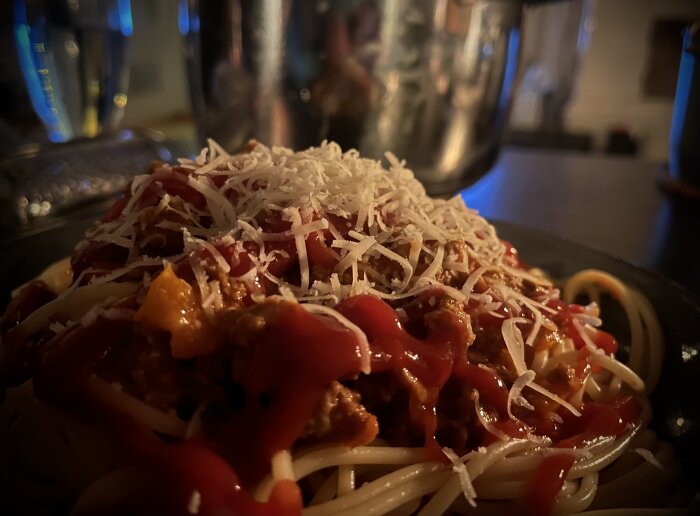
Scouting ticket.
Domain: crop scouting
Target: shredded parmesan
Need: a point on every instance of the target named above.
(383, 235)
(649, 456)
(464, 480)
(568, 406)
(374, 216)
(514, 394)
(354, 254)
(300, 243)
(514, 343)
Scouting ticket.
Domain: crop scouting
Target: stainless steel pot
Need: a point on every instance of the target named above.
(429, 80)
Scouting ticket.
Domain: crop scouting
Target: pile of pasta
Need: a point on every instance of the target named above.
(280, 332)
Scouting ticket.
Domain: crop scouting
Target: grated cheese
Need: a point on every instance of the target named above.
(649, 456)
(354, 254)
(514, 343)
(375, 216)
(568, 406)
(464, 480)
(300, 242)
(514, 394)
(434, 266)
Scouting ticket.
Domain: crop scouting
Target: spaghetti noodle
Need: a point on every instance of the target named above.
(283, 333)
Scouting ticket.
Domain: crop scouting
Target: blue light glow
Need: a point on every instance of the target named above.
(481, 196)
(126, 25)
(511, 66)
(113, 18)
(20, 12)
(195, 23)
(165, 154)
(680, 104)
(663, 225)
(183, 17)
(30, 64)
(56, 136)
(26, 62)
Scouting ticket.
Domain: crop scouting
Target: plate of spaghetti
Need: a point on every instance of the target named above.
(284, 333)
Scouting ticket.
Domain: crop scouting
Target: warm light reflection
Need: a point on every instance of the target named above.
(679, 425)
(688, 353)
(120, 100)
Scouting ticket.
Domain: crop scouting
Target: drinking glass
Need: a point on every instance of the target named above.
(430, 80)
(74, 59)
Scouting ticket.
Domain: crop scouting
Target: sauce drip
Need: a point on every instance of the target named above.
(424, 366)
(176, 472)
(598, 420)
(541, 492)
(284, 375)
(283, 372)
(421, 365)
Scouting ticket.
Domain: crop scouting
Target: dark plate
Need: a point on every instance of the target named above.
(24, 257)
(676, 401)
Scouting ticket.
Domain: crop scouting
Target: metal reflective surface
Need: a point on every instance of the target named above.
(43, 186)
(429, 80)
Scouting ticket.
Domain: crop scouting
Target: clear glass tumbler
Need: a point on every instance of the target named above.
(74, 58)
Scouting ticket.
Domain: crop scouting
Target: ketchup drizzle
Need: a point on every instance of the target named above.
(297, 358)
(427, 364)
(288, 367)
(541, 492)
(286, 371)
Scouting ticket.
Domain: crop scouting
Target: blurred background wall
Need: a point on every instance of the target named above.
(600, 70)
(628, 76)
(158, 92)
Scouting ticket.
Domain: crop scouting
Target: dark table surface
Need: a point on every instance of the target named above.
(609, 204)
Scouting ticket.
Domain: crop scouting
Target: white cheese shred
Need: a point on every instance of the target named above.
(300, 242)
(514, 343)
(515, 392)
(568, 406)
(464, 480)
(649, 456)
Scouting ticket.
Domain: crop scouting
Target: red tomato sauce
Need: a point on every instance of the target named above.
(288, 369)
(428, 362)
(543, 487)
(293, 363)
(564, 318)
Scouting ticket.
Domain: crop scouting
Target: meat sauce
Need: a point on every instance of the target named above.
(425, 365)
(564, 318)
(175, 475)
(288, 366)
(287, 369)
(174, 181)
